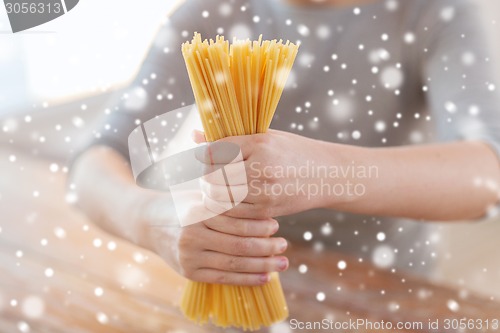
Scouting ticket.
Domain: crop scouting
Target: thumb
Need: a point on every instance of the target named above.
(198, 136)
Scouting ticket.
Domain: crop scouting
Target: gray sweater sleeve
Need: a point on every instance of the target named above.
(459, 69)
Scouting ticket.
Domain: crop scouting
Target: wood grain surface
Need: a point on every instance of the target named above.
(60, 273)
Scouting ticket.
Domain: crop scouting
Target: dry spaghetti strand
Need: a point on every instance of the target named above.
(237, 88)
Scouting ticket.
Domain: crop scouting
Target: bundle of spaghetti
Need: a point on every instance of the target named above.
(237, 88)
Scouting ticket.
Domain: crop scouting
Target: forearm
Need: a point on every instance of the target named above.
(455, 181)
(108, 195)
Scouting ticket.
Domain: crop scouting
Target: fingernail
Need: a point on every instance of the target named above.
(265, 278)
(282, 264)
(283, 246)
(275, 228)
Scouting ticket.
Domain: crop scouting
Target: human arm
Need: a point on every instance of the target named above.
(464, 117)
(235, 251)
(451, 181)
(218, 250)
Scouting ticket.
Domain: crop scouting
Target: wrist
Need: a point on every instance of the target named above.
(154, 222)
(351, 172)
(136, 213)
(129, 215)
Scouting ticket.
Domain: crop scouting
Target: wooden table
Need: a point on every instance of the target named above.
(60, 273)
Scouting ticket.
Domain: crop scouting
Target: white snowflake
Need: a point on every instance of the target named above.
(326, 229)
(468, 58)
(392, 78)
(383, 256)
(409, 38)
(33, 307)
(447, 13)
(323, 32)
(240, 31)
(102, 318)
(98, 292)
(380, 126)
(136, 99)
(391, 5)
(453, 305)
(303, 30)
(320, 296)
(225, 9)
(341, 108)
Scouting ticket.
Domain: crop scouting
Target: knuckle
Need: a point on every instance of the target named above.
(208, 177)
(243, 246)
(264, 211)
(216, 193)
(235, 264)
(272, 199)
(268, 152)
(273, 227)
(244, 172)
(210, 190)
(249, 280)
(184, 239)
(190, 235)
(280, 245)
(253, 171)
(268, 266)
(221, 278)
(185, 260)
(262, 139)
(188, 273)
(243, 228)
(263, 228)
(274, 245)
(213, 205)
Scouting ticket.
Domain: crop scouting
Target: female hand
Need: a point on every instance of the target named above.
(222, 249)
(280, 176)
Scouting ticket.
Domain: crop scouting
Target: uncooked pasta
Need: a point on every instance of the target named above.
(237, 88)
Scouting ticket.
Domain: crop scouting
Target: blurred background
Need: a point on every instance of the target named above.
(55, 79)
